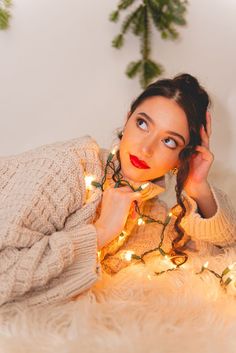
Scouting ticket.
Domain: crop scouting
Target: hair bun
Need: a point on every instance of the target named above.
(188, 81)
(190, 86)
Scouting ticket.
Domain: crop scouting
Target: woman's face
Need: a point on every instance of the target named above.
(155, 133)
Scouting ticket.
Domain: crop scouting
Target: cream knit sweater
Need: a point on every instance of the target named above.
(48, 243)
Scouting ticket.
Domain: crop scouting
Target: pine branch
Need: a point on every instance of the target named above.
(138, 25)
(133, 68)
(124, 4)
(132, 19)
(150, 70)
(4, 14)
(165, 15)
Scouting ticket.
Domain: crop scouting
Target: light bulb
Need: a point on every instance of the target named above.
(128, 255)
(114, 149)
(143, 186)
(206, 264)
(230, 267)
(140, 221)
(88, 181)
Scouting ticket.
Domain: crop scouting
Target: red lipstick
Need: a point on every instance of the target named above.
(138, 163)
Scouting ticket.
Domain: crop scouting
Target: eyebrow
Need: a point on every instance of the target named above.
(169, 132)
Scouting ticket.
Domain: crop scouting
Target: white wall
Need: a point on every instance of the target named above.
(60, 78)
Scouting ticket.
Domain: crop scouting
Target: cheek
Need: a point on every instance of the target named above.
(129, 140)
(165, 157)
(123, 147)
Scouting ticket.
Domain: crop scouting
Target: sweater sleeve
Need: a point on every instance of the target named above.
(219, 229)
(58, 264)
(66, 256)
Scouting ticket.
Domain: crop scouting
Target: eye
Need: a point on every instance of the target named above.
(140, 122)
(171, 143)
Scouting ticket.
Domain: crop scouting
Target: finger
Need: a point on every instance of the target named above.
(208, 125)
(204, 137)
(135, 196)
(124, 189)
(129, 192)
(135, 185)
(206, 153)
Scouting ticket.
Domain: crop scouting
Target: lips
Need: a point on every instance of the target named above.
(138, 163)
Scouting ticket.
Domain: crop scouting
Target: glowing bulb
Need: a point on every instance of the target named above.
(230, 267)
(168, 218)
(144, 186)
(184, 265)
(128, 255)
(206, 264)
(140, 221)
(149, 277)
(114, 149)
(88, 181)
(166, 260)
(99, 254)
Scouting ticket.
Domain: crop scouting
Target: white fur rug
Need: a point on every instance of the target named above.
(175, 312)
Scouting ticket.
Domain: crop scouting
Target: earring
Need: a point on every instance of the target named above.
(120, 134)
(174, 171)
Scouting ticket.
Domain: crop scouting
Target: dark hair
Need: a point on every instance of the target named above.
(186, 91)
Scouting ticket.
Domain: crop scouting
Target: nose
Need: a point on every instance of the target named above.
(148, 147)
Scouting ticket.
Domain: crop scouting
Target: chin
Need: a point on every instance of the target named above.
(131, 172)
(136, 176)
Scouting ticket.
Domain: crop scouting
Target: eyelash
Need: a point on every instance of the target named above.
(141, 119)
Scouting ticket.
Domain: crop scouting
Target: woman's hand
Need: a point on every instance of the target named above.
(201, 162)
(115, 208)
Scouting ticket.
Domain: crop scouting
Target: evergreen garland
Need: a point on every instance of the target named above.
(164, 14)
(4, 13)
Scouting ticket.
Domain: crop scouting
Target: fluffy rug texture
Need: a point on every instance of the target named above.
(134, 311)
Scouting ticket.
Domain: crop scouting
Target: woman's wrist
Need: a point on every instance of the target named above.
(198, 190)
(101, 235)
(204, 198)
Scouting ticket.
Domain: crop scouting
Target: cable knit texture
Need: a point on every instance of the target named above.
(48, 241)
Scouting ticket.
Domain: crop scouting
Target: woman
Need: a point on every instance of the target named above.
(53, 222)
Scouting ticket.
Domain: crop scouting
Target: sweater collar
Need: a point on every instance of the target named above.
(155, 187)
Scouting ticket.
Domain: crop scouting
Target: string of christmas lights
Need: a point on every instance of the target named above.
(175, 260)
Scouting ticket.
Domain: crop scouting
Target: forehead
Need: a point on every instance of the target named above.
(166, 114)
